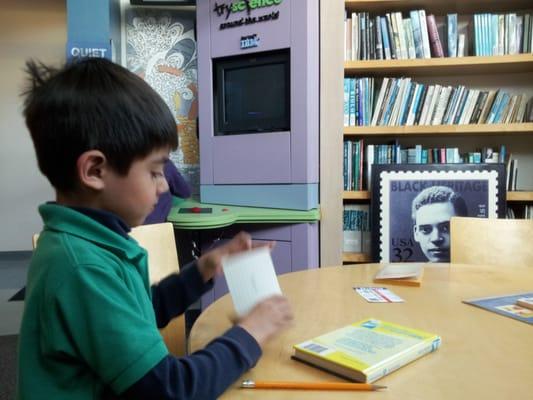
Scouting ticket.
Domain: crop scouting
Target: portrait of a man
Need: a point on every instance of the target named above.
(431, 212)
(412, 206)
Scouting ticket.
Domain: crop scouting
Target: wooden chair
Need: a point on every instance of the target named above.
(158, 240)
(505, 242)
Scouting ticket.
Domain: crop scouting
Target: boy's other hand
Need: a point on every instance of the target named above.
(210, 264)
(267, 318)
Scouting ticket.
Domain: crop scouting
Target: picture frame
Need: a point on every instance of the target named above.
(403, 232)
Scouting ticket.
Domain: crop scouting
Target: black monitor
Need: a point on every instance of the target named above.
(252, 93)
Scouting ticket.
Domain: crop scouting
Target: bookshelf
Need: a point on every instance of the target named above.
(510, 72)
(510, 63)
(515, 196)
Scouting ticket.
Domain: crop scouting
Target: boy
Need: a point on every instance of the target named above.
(89, 329)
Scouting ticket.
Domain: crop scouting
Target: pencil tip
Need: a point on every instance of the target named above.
(378, 387)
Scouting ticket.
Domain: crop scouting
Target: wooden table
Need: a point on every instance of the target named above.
(483, 355)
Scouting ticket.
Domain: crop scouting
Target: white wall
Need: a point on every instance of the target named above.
(28, 29)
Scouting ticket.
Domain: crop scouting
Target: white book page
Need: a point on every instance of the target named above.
(250, 277)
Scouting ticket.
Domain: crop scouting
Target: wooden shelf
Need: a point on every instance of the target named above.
(442, 66)
(356, 195)
(519, 196)
(438, 7)
(432, 130)
(516, 196)
(356, 257)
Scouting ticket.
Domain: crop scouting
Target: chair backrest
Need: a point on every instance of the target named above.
(159, 242)
(505, 242)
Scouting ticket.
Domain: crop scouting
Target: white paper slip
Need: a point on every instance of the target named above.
(250, 277)
(378, 295)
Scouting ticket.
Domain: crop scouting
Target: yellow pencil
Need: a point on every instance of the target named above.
(249, 384)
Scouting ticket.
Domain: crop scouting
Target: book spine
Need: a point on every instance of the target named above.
(348, 39)
(385, 38)
(379, 39)
(392, 39)
(411, 47)
(401, 35)
(346, 101)
(417, 33)
(425, 34)
(461, 45)
(451, 24)
(451, 103)
(436, 45)
(352, 102)
(355, 37)
(371, 37)
(420, 105)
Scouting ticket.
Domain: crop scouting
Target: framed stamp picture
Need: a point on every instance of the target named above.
(412, 205)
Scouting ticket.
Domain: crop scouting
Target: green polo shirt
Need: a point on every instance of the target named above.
(88, 321)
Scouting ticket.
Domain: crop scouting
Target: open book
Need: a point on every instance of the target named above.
(366, 350)
(406, 274)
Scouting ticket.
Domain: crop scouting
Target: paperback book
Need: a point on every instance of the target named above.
(508, 305)
(366, 350)
(404, 274)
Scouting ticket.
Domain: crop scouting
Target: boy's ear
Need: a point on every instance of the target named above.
(92, 167)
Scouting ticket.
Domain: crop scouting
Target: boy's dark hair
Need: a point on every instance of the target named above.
(92, 104)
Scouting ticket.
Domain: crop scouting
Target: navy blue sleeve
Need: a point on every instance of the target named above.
(172, 295)
(204, 375)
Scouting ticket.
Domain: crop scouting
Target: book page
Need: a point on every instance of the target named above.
(250, 277)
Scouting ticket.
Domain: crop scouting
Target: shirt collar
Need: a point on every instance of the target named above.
(106, 218)
(81, 224)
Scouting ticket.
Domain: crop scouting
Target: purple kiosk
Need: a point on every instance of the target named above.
(258, 81)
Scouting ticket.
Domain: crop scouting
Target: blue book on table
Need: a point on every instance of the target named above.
(505, 305)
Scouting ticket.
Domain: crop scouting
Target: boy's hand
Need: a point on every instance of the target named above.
(210, 264)
(267, 318)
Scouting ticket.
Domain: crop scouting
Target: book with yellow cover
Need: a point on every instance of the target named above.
(404, 274)
(366, 350)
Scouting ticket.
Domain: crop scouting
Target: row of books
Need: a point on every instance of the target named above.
(499, 34)
(358, 160)
(403, 102)
(356, 228)
(528, 212)
(421, 35)
(392, 36)
(358, 101)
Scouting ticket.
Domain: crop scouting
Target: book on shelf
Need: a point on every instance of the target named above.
(356, 228)
(451, 31)
(434, 38)
(403, 274)
(366, 350)
(505, 305)
(461, 45)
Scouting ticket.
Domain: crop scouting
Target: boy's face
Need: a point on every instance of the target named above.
(133, 196)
